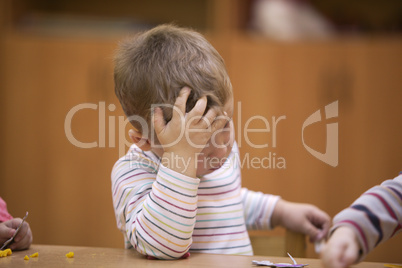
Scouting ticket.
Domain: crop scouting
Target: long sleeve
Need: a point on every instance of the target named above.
(375, 216)
(155, 207)
(4, 215)
(258, 209)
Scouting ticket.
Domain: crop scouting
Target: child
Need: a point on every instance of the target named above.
(373, 218)
(178, 189)
(8, 226)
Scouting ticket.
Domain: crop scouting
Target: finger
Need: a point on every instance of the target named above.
(199, 108)
(23, 239)
(220, 122)
(322, 221)
(13, 223)
(325, 229)
(26, 241)
(29, 239)
(5, 232)
(22, 232)
(208, 118)
(158, 120)
(311, 231)
(179, 108)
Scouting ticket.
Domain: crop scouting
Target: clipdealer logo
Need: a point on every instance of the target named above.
(330, 156)
(107, 124)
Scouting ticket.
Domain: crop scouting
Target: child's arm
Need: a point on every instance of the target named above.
(265, 211)
(342, 249)
(258, 209)
(156, 209)
(302, 218)
(374, 217)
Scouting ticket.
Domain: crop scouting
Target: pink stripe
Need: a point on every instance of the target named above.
(237, 187)
(396, 230)
(263, 210)
(118, 185)
(161, 243)
(138, 199)
(389, 209)
(221, 234)
(191, 210)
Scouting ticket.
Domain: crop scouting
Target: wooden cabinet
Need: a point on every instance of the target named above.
(65, 188)
(273, 80)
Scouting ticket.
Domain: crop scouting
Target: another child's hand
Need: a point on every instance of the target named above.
(302, 218)
(341, 250)
(22, 240)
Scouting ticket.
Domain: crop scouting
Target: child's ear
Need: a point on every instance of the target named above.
(136, 137)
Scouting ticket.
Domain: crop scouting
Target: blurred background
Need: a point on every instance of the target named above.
(62, 127)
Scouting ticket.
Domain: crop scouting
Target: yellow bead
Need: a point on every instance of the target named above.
(70, 255)
(36, 254)
(8, 251)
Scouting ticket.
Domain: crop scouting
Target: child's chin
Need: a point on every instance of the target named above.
(206, 172)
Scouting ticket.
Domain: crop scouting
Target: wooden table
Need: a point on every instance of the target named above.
(54, 256)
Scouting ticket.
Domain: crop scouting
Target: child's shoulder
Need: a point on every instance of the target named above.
(135, 158)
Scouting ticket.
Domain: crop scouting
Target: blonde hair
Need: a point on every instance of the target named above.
(152, 67)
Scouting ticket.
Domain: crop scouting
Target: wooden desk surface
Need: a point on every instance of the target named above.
(54, 256)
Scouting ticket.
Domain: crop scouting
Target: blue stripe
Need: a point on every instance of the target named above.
(144, 240)
(221, 178)
(170, 175)
(375, 221)
(195, 249)
(234, 218)
(175, 191)
(229, 205)
(399, 194)
(228, 168)
(188, 225)
(122, 194)
(120, 178)
(218, 227)
(178, 237)
(177, 214)
(222, 185)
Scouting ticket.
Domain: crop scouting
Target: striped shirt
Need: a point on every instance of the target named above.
(165, 214)
(375, 216)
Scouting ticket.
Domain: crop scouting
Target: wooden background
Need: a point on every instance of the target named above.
(66, 189)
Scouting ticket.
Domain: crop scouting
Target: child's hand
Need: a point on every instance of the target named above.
(22, 240)
(185, 135)
(341, 250)
(302, 218)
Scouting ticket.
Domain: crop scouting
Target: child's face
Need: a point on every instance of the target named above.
(218, 148)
